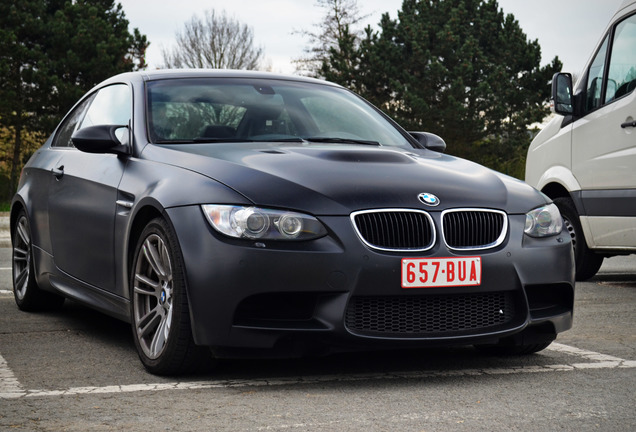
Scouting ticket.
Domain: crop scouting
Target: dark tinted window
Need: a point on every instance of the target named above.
(214, 109)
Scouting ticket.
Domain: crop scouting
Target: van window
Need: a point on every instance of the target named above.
(595, 79)
(622, 68)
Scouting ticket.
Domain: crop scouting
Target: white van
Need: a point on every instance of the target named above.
(585, 158)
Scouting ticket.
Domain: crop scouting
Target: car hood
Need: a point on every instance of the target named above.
(338, 179)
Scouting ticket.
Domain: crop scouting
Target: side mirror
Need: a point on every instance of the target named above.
(430, 141)
(561, 102)
(102, 139)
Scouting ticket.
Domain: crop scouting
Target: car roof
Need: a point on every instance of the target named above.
(160, 74)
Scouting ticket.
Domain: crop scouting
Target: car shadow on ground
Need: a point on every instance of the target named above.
(115, 336)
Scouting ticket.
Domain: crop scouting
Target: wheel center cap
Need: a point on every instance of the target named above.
(162, 297)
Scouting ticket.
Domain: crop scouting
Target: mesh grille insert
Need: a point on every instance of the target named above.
(430, 315)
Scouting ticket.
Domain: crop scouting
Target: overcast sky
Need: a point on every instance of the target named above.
(567, 28)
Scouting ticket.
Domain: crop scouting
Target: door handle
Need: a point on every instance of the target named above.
(58, 172)
(629, 124)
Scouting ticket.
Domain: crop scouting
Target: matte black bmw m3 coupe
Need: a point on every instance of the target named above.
(250, 214)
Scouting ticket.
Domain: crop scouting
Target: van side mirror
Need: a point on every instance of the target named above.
(561, 102)
(430, 141)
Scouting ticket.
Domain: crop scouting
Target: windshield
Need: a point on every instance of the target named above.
(227, 110)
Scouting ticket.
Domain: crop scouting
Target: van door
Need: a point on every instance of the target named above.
(604, 141)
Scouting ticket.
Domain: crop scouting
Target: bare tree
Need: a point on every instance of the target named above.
(338, 22)
(215, 41)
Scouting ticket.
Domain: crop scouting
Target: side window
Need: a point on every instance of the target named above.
(66, 129)
(595, 79)
(111, 106)
(621, 78)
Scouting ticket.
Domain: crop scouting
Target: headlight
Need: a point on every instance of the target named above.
(543, 221)
(260, 223)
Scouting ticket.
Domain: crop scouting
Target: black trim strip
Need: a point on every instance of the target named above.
(612, 202)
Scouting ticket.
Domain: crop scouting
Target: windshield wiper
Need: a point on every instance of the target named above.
(336, 140)
(231, 140)
(275, 140)
(220, 140)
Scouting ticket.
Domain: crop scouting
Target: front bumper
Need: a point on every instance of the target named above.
(335, 293)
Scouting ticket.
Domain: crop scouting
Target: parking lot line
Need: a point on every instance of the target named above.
(11, 388)
(9, 385)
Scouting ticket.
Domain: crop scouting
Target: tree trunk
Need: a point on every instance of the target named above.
(17, 150)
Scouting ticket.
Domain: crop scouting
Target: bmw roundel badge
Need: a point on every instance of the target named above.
(428, 199)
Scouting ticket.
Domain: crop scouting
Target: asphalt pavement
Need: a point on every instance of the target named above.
(77, 370)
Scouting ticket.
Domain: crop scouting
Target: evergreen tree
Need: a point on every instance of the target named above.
(458, 68)
(52, 52)
(336, 38)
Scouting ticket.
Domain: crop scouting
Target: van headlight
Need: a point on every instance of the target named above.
(544, 221)
(259, 223)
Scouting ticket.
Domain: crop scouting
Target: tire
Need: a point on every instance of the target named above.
(587, 262)
(159, 313)
(28, 296)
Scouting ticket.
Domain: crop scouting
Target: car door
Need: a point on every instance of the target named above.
(83, 195)
(604, 139)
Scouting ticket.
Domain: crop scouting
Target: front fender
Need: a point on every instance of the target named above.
(147, 190)
(560, 175)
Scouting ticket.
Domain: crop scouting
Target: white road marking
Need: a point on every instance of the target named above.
(9, 385)
(11, 388)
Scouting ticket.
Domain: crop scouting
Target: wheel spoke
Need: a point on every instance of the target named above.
(20, 256)
(160, 337)
(23, 233)
(21, 279)
(155, 285)
(153, 258)
(149, 322)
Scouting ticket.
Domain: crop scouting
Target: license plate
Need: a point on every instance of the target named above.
(440, 272)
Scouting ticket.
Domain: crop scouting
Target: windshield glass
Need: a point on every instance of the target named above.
(227, 110)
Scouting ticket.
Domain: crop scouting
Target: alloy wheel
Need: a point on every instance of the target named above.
(152, 296)
(21, 257)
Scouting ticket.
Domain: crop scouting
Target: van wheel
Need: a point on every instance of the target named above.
(587, 262)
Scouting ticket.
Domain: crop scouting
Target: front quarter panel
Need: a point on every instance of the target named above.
(149, 188)
(550, 150)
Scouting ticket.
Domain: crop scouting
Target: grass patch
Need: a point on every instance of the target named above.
(5, 206)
